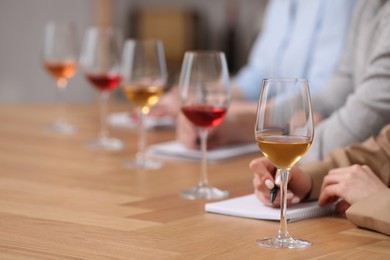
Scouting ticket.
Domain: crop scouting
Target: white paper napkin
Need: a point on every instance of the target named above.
(129, 119)
(176, 150)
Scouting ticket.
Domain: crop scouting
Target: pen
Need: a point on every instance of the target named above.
(274, 191)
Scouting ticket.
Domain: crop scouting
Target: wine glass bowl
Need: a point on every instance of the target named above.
(284, 131)
(61, 71)
(59, 56)
(144, 78)
(144, 94)
(104, 82)
(204, 115)
(205, 97)
(100, 61)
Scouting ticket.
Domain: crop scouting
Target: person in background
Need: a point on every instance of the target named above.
(357, 178)
(353, 105)
(299, 39)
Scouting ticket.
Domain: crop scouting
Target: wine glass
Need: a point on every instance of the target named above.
(144, 77)
(100, 62)
(284, 131)
(60, 61)
(205, 96)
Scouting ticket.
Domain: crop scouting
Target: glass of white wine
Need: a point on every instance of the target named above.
(284, 131)
(60, 53)
(144, 77)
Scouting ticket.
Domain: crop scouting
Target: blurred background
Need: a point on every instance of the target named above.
(227, 25)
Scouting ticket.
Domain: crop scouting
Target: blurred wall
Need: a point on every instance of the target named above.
(22, 77)
(218, 18)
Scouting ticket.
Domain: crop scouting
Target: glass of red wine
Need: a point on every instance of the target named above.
(60, 61)
(205, 96)
(100, 62)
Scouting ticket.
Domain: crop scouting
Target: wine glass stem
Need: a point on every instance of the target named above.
(203, 146)
(104, 95)
(141, 132)
(283, 233)
(61, 111)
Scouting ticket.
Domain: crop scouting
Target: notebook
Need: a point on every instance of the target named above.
(174, 149)
(249, 206)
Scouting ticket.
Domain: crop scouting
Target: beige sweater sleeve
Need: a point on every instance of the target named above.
(375, 153)
(372, 212)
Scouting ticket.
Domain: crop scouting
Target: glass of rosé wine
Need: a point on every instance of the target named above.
(144, 80)
(60, 52)
(100, 61)
(205, 97)
(284, 131)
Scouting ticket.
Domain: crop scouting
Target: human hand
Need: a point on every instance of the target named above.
(350, 184)
(236, 127)
(299, 183)
(299, 119)
(186, 132)
(168, 105)
(317, 118)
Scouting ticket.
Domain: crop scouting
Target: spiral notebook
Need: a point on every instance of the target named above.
(249, 206)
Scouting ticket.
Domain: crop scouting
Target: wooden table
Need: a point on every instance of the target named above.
(61, 200)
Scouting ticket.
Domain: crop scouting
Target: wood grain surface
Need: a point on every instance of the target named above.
(61, 200)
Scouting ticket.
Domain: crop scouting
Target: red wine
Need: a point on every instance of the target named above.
(204, 115)
(104, 82)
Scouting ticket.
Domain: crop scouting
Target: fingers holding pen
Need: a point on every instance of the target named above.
(260, 190)
(263, 180)
(267, 182)
(275, 192)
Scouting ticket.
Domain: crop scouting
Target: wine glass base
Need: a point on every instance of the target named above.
(289, 242)
(105, 143)
(144, 163)
(203, 191)
(61, 127)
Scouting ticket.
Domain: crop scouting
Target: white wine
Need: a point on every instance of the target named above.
(143, 96)
(283, 150)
